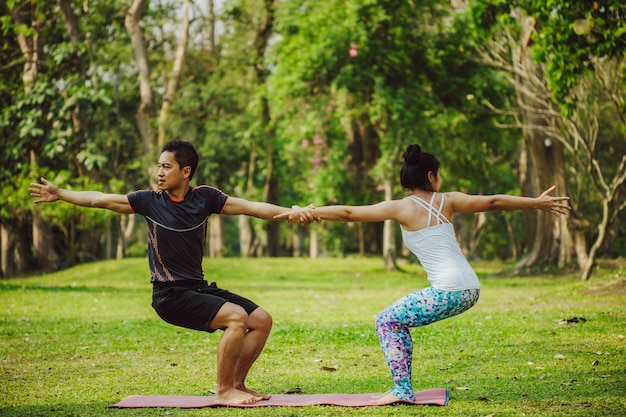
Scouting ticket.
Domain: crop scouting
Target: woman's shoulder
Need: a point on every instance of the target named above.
(454, 196)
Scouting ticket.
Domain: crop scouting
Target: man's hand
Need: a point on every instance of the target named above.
(44, 191)
(299, 214)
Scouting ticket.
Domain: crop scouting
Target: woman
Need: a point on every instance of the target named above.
(425, 217)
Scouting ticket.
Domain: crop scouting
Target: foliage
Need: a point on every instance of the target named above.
(408, 70)
(580, 47)
(574, 36)
(349, 85)
(80, 340)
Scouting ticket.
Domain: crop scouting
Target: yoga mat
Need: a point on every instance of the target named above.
(433, 396)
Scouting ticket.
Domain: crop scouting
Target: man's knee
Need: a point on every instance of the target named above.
(230, 315)
(260, 319)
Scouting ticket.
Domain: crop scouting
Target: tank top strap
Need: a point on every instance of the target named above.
(441, 218)
(429, 207)
(420, 202)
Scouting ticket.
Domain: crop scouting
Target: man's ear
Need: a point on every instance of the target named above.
(187, 171)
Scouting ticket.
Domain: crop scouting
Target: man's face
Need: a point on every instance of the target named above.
(170, 174)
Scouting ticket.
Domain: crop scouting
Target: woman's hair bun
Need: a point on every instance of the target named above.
(413, 154)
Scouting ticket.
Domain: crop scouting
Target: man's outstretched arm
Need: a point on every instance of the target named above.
(262, 210)
(46, 192)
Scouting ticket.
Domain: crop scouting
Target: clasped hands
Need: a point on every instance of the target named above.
(299, 214)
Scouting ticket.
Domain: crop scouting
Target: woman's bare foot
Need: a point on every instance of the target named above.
(374, 397)
(256, 394)
(235, 396)
(386, 398)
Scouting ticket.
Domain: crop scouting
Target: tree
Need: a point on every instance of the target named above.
(365, 79)
(580, 45)
(45, 121)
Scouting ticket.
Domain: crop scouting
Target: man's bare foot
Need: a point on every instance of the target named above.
(386, 398)
(256, 394)
(235, 396)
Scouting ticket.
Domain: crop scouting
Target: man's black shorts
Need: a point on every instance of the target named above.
(193, 304)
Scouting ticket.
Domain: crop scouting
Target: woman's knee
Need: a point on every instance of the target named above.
(386, 319)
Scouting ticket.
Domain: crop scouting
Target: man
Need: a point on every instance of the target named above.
(177, 217)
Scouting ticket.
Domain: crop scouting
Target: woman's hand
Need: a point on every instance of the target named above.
(44, 191)
(298, 214)
(557, 206)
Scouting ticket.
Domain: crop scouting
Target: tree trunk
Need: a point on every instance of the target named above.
(175, 75)
(480, 221)
(79, 118)
(547, 239)
(126, 228)
(362, 144)
(216, 237)
(211, 20)
(513, 246)
(602, 227)
(541, 228)
(389, 250)
(314, 244)
(270, 192)
(32, 50)
(298, 242)
(7, 245)
(42, 233)
(246, 236)
(146, 106)
(246, 231)
(273, 227)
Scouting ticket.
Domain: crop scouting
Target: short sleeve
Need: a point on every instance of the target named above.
(139, 201)
(214, 198)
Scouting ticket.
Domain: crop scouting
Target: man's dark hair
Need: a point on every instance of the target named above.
(184, 153)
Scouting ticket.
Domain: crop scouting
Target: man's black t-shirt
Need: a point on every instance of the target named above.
(177, 230)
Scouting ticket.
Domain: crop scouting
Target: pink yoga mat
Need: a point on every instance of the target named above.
(434, 396)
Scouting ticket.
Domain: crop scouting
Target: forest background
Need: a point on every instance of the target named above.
(298, 102)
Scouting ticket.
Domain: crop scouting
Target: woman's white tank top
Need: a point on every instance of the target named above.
(439, 252)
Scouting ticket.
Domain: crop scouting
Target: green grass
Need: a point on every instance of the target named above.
(74, 342)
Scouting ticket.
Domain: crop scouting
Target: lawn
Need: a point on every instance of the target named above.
(74, 342)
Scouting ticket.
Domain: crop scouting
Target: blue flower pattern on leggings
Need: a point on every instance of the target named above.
(417, 309)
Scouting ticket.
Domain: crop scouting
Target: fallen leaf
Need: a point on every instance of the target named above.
(462, 388)
(485, 399)
(329, 368)
(560, 357)
(595, 363)
(573, 320)
(294, 390)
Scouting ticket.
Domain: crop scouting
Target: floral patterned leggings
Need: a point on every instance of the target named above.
(417, 309)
